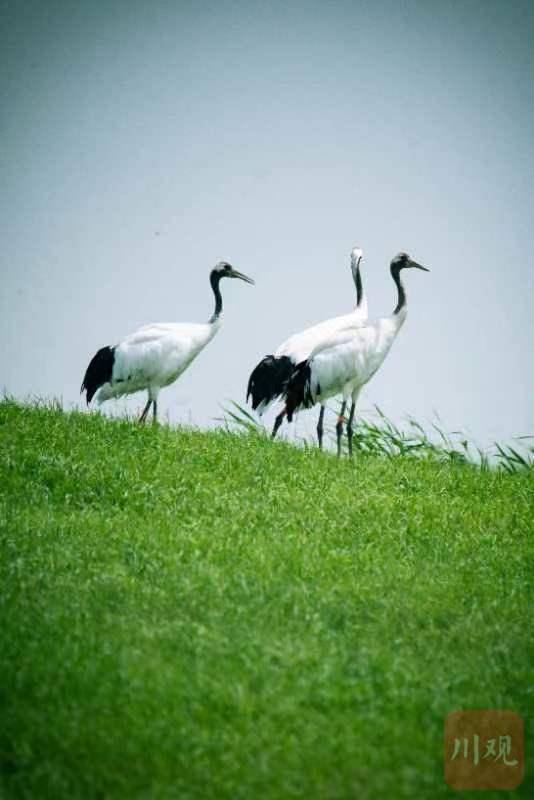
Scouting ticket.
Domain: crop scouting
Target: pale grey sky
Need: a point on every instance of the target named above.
(143, 141)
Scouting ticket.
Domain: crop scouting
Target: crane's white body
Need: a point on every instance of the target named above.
(155, 356)
(300, 346)
(345, 362)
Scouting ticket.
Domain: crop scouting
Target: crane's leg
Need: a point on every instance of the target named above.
(154, 411)
(320, 428)
(350, 430)
(143, 416)
(339, 427)
(278, 421)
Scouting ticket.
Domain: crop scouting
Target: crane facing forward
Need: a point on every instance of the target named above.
(155, 355)
(269, 378)
(345, 362)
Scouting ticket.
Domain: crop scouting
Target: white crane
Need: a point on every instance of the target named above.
(269, 378)
(345, 362)
(156, 354)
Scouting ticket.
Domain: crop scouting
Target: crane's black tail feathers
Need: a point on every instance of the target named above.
(268, 380)
(98, 372)
(298, 393)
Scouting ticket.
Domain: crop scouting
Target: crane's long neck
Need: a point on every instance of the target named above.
(402, 307)
(361, 300)
(214, 281)
(389, 327)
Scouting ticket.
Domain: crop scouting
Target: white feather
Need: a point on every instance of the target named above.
(155, 356)
(299, 346)
(346, 361)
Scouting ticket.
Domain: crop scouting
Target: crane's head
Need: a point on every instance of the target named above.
(225, 270)
(403, 261)
(356, 254)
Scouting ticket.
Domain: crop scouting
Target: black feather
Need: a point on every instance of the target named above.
(98, 372)
(269, 379)
(298, 392)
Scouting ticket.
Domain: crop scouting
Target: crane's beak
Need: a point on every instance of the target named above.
(418, 266)
(235, 274)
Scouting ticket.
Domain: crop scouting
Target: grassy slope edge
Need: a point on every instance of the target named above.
(192, 614)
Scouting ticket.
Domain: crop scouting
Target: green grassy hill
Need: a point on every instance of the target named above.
(211, 615)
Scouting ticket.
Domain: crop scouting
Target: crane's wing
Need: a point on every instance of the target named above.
(159, 353)
(299, 346)
(155, 331)
(344, 336)
(350, 357)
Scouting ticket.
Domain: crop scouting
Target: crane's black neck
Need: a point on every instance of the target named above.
(358, 281)
(401, 301)
(359, 286)
(215, 278)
